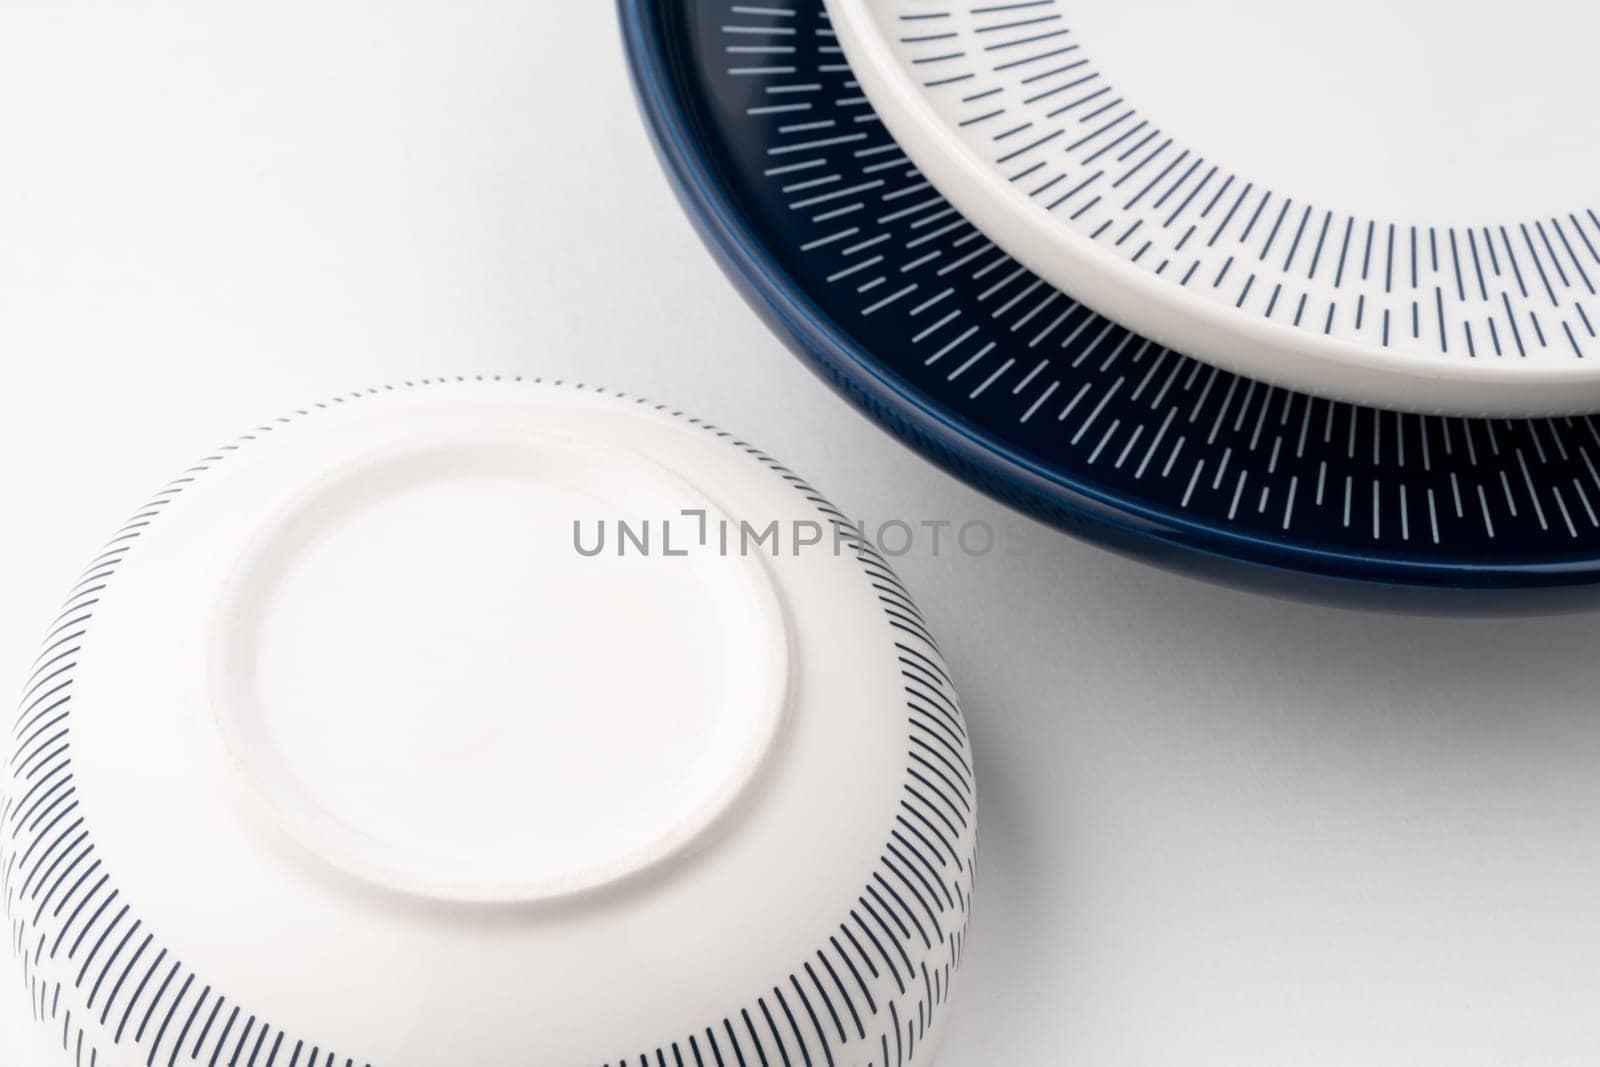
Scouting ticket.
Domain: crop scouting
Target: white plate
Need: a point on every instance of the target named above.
(1387, 203)
(346, 749)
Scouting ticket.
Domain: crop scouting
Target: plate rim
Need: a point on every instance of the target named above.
(974, 455)
(1152, 307)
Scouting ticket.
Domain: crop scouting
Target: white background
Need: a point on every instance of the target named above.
(1218, 829)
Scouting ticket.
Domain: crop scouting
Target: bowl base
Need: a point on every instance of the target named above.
(428, 663)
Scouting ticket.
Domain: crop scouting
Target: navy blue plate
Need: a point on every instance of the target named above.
(889, 294)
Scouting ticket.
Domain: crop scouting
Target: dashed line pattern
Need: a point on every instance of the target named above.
(1022, 88)
(869, 994)
(864, 235)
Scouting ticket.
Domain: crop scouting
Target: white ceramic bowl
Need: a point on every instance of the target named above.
(346, 750)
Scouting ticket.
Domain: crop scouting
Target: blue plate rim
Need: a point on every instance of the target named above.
(994, 466)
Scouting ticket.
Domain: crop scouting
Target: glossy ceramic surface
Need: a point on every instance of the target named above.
(1013, 384)
(1365, 206)
(487, 722)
